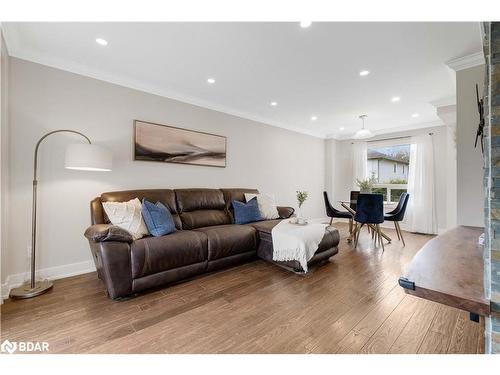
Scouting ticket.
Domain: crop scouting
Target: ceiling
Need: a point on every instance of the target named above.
(309, 72)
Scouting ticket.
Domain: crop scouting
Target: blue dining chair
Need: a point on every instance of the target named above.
(332, 212)
(354, 198)
(369, 211)
(398, 215)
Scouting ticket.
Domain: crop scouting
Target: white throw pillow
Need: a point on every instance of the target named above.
(267, 205)
(127, 215)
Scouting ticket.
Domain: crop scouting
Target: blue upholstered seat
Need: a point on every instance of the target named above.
(370, 211)
(332, 212)
(398, 215)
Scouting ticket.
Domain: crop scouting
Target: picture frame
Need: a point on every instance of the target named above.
(170, 144)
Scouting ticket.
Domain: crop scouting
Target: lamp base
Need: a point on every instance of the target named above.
(26, 291)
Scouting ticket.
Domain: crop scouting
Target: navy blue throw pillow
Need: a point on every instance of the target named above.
(246, 212)
(158, 218)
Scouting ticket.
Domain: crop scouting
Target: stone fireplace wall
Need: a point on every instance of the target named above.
(492, 180)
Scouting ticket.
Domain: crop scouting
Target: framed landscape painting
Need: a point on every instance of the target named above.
(168, 144)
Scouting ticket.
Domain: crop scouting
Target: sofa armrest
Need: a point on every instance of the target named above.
(285, 212)
(110, 247)
(107, 232)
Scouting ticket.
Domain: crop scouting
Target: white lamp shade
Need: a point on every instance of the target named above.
(363, 134)
(87, 157)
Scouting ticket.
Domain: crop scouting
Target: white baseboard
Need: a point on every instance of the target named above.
(52, 273)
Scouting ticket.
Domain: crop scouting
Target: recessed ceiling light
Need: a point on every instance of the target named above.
(211, 80)
(415, 115)
(314, 118)
(274, 104)
(395, 99)
(342, 128)
(305, 24)
(364, 73)
(102, 42)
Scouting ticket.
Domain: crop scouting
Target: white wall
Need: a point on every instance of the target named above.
(41, 99)
(331, 173)
(4, 66)
(470, 193)
(342, 164)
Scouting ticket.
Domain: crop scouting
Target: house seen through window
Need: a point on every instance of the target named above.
(388, 166)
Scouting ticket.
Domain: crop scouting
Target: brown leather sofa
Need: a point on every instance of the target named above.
(206, 239)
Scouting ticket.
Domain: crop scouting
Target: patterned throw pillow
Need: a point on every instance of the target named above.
(127, 215)
(246, 212)
(158, 218)
(267, 205)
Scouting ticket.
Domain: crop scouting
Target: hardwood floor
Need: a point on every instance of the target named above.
(351, 305)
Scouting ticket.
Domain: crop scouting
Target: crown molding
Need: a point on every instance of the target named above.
(399, 129)
(466, 62)
(444, 102)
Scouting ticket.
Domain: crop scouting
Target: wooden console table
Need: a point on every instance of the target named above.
(449, 269)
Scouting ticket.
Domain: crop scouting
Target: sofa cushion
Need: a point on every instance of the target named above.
(165, 196)
(246, 212)
(158, 218)
(227, 240)
(127, 215)
(236, 194)
(267, 205)
(201, 208)
(156, 254)
(204, 218)
(199, 199)
(232, 194)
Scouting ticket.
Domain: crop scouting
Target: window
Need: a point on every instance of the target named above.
(388, 164)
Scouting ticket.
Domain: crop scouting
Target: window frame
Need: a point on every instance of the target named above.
(388, 202)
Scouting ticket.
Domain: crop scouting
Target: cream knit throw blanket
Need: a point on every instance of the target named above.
(297, 242)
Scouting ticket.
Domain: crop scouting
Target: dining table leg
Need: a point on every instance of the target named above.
(351, 229)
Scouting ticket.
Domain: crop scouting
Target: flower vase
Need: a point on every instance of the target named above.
(300, 217)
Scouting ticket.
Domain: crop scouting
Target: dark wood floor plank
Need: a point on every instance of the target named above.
(434, 343)
(385, 336)
(375, 318)
(414, 332)
(464, 337)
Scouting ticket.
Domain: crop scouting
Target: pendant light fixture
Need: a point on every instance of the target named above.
(363, 133)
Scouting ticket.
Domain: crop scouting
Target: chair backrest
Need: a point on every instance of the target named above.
(399, 212)
(370, 209)
(328, 206)
(353, 198)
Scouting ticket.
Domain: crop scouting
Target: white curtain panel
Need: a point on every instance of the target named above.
(422, 215)
(359, 162)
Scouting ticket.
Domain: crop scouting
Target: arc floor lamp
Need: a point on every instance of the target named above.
(82, 156)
